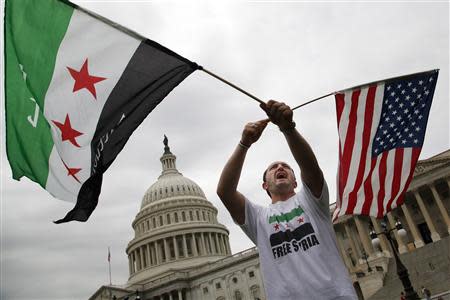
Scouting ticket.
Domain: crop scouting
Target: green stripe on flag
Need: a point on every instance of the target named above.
(34, 30)
(296, 212)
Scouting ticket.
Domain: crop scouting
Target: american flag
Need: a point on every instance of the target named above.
(381, 131)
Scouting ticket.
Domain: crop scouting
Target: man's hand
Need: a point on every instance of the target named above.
(252, 131)
(279, 113)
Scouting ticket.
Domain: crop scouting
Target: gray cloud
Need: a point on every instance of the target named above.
(289, 51)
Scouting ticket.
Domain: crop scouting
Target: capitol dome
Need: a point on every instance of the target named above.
(176, 227)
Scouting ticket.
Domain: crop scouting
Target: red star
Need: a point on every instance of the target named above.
(300, 220)
(277, 226)
(67, 132)
(83, 80)
(72, 171)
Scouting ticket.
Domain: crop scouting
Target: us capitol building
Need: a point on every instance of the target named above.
(181, 252)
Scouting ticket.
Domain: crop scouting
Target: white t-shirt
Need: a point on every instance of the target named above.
(297, 248)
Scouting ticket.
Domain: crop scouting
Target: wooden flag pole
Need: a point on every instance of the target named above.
(313, 100)
(233, 86)
(254, 97)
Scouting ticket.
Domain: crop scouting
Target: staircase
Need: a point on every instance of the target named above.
(428, 266)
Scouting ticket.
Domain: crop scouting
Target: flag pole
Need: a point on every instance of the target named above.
(252, 96)
(313, 100)
(109, 264)
(232, 85)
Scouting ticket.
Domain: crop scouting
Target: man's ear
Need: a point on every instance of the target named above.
(265, 186)
(295, 184)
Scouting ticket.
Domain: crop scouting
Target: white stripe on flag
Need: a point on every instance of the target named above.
(373, 130)
(375, 184)
(357, 146)
(343, 124)
(390, 171)
(108, 51)
(406, 169)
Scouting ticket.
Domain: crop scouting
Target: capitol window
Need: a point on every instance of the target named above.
(218, 285)
(176, 217)
(168, 218)
(183, 216)
(160, 220)
(191, 217)
(251, 274)
(205, 290)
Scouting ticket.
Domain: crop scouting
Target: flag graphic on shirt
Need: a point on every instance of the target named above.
(291, 232)
(77, 86)
(381, 132)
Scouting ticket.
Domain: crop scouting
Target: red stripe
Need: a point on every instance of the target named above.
(368, 192)
(368, 116)
(340, 102)
(398, 165)
(414, 157)
(344, 166)
(382, 175)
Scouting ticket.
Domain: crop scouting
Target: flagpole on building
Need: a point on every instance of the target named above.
(109, 264)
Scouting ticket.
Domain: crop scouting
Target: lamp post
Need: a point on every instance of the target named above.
(402, 272)
(365, 257)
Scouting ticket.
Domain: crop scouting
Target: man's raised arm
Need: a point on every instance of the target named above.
(280, 114)
(233, 200)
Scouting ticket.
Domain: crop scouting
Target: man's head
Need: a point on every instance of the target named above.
(279, 178)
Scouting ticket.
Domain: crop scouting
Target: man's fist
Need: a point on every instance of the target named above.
(252, 131)
(279, 113)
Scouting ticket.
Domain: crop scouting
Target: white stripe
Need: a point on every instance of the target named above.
(343, 122)
(390, 169)
(357, 146)
(108, 51)
(375, 183)
(373, 130)
(406, 169)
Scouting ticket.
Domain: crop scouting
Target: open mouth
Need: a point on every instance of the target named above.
(281, 175)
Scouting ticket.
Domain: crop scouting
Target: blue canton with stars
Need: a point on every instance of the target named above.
(404, 113)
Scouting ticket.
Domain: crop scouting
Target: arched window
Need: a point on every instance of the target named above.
(237, 295)
(183, 216)
(176, 217)
(168, 218)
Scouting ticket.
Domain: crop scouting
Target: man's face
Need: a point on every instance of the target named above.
(279, 178)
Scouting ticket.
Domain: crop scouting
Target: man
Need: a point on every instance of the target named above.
(297, 247)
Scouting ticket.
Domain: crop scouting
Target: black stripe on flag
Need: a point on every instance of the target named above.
(287, 236)
(152, 73)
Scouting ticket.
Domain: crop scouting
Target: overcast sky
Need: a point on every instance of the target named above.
(291, 51)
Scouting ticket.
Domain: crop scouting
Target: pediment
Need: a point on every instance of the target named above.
(432, 163)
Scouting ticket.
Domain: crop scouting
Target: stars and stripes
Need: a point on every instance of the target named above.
(381, 131)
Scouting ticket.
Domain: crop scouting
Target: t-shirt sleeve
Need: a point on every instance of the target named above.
(252, 214)
(321, 203)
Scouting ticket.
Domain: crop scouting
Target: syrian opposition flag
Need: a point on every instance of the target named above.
(77, 86)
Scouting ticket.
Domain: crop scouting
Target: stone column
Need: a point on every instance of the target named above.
(180, 295)
(434, 234)
(222, 244)
(188, 295)
(342, 251)
(418, 242)
(170, 295)
(157, 254)
(166, 250)
(141, 256)
(364, 235)
(353, 242)
(441, 206)
(194, 245)
(129, 265)
(218, 243)
(227, 246)
(211, 242)
(383, 241)
(203, 246)
(138, 259)
(175, 247)
(185, 245)
(401, 243)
